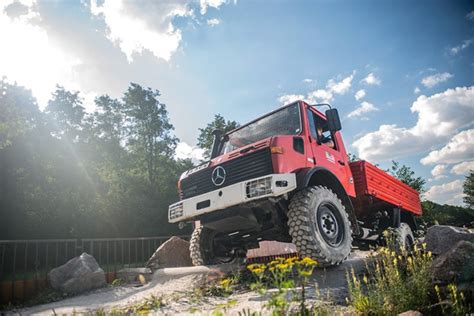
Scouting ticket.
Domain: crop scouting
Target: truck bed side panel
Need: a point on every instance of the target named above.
(372, 181)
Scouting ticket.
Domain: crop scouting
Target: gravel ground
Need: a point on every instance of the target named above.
(179, 298)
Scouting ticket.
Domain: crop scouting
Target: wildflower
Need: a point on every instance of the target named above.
(365, 280)
(225, 282)
(307, 261)
(282, 266)
(429, 254)
(423, 245)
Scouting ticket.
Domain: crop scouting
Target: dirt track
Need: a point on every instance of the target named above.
(175, 286)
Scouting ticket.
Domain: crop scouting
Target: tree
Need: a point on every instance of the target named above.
(206, 138)
(468, 190)
(148, 127)
(352, 157)
(65, 114)
(407, 176)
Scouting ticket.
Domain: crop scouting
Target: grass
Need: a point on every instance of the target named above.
(399, 281)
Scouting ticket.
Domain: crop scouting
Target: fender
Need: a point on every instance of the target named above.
(322, 176)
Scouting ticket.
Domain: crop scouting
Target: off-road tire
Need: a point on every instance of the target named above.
(201, 250)
(308, 236)
(404, 238)
(198, 244)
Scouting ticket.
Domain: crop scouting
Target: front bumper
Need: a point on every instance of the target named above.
(262, 187)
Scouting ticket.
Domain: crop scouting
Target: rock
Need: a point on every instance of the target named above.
(440, 238)
(411, 313)
(455, 265)
(172, 253)
(78, 275)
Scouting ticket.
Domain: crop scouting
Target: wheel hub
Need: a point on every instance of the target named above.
(328, 224)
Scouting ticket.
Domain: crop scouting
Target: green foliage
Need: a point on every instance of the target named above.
(468, 190)
(205, 137)
(352, 157)
(434, 213)
(283, 274)
(399, 281)
(407, 176)
(66, 173)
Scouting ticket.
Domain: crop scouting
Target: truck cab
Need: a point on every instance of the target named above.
(284, 176)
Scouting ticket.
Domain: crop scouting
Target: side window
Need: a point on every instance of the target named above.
(312, 125)
(325, 136)
(319, 130)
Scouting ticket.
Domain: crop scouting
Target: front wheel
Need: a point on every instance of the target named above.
(319, 225)
(206, 247)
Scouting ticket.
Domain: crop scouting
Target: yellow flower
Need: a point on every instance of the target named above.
(365, 280)
(395, 261)
(307, 261)
(423, 245)
(429, 254)
(282, 266)
(393, 254)
(225, 282)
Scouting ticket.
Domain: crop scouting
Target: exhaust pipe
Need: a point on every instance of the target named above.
(216, 143)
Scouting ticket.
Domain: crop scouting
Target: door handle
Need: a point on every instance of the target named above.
(341, 162)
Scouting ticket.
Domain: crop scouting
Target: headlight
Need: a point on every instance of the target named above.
(259, 187)
(175, 210)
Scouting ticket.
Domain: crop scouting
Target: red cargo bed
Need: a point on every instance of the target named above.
(372, 182)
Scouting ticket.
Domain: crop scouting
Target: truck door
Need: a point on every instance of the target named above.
(326, 147)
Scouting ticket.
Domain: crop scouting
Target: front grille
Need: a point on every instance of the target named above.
(250, 166)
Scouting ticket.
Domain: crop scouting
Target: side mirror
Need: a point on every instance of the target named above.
(334, 123)
(216, 143)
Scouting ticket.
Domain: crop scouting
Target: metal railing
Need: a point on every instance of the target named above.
(31, 260)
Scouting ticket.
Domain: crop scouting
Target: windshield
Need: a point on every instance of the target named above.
(283, 122)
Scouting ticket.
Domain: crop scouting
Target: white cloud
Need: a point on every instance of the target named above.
(213, 22)
(186, 151)
(447, 193)
(460, 148)
(205, 4)
(365, 107)
(320, 96)
(289, 98)
(463, 167)
(470, 15)
(417, 90)
(440, 116)
(371, 79)
(465, 44)
(340, 87)
(148, 26)
(308, 80)
(359, 94)
(28, 54)
(433, 80)
(438, 170)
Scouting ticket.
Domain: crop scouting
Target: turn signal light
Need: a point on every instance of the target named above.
(276, 150)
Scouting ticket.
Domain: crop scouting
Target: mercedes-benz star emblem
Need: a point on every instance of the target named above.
(218, 176)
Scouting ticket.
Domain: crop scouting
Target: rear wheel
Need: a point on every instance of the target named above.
(404, 239)
(205, 249)
(319, 225)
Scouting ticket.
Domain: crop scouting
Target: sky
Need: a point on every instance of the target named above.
(401, 73)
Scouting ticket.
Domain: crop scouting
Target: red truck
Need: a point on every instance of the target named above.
(286, 176)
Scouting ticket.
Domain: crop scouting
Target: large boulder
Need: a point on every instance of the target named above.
(78, 275)
(440, 238)
(456, 265)
(172, 253)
